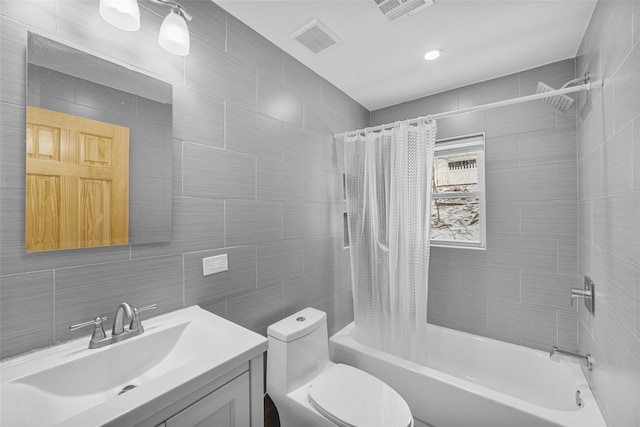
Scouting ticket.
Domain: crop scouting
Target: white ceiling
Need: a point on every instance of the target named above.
(381, 63)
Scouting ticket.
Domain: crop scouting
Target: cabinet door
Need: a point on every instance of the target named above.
(227, 406)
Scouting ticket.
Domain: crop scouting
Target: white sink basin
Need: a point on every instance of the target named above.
(70, 384)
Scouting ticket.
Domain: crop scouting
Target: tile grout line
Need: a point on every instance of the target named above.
(224, 223)
(557, 329)
(182, 168)
(224, 124)
(184, 283)
(53, 310)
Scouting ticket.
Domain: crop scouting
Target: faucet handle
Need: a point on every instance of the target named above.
(145, 308)
(135, 322)
(97, 321)
(580, 293)
(98, 330)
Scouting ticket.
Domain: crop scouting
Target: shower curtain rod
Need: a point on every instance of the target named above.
(578, 88)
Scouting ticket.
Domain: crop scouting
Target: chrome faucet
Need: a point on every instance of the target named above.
(124, 309)
(126, 324)
(557, 352)
(587, 293)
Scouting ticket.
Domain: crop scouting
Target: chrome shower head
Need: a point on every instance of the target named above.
(560, 102)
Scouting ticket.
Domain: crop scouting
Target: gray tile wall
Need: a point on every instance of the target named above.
(609, 207)
(256, 182)
(518, 289)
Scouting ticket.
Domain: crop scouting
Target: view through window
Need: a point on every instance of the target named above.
(458, 196)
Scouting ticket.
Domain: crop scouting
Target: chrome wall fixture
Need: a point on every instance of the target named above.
(174, 33)
(587, 293)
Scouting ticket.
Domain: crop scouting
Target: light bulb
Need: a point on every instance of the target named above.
(174, 34)
(433, 54)
(123, 14)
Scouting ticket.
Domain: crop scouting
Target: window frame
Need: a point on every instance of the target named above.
(453, 144)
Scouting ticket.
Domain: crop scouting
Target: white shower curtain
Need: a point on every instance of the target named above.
(388, 184)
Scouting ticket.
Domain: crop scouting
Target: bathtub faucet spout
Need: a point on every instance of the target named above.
(586, 357)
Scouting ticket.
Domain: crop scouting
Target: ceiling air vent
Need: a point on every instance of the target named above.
(394, 9)
(316, 36)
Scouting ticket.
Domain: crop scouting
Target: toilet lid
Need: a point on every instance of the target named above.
(350, 397)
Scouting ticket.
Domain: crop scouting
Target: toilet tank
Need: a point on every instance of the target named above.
(298, 350)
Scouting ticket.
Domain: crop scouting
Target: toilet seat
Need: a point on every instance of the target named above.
(350, 397)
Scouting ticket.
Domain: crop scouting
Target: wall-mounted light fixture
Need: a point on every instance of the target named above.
(174, 33)
(123, 14)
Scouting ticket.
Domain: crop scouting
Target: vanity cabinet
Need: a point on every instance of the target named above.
(226, 407)
(234, 399)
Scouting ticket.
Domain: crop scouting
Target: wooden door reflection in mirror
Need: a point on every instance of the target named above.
(77, 182)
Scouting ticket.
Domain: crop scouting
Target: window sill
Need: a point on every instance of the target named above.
(457, 245)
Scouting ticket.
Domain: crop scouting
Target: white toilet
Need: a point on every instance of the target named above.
(309, 390)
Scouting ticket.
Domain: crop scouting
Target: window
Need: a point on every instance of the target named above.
(458, 210)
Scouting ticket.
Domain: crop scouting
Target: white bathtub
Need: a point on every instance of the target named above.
(477, 381)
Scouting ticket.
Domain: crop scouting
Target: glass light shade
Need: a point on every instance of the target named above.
(174, 35)
(123, 14)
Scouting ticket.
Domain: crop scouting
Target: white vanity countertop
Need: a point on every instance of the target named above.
(71, 385)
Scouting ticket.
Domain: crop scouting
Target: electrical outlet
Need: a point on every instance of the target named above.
(214, 264)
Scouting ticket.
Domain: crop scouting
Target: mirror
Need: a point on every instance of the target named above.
(91, 101)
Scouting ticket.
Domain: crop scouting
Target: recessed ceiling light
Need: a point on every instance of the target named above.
(433, 54)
